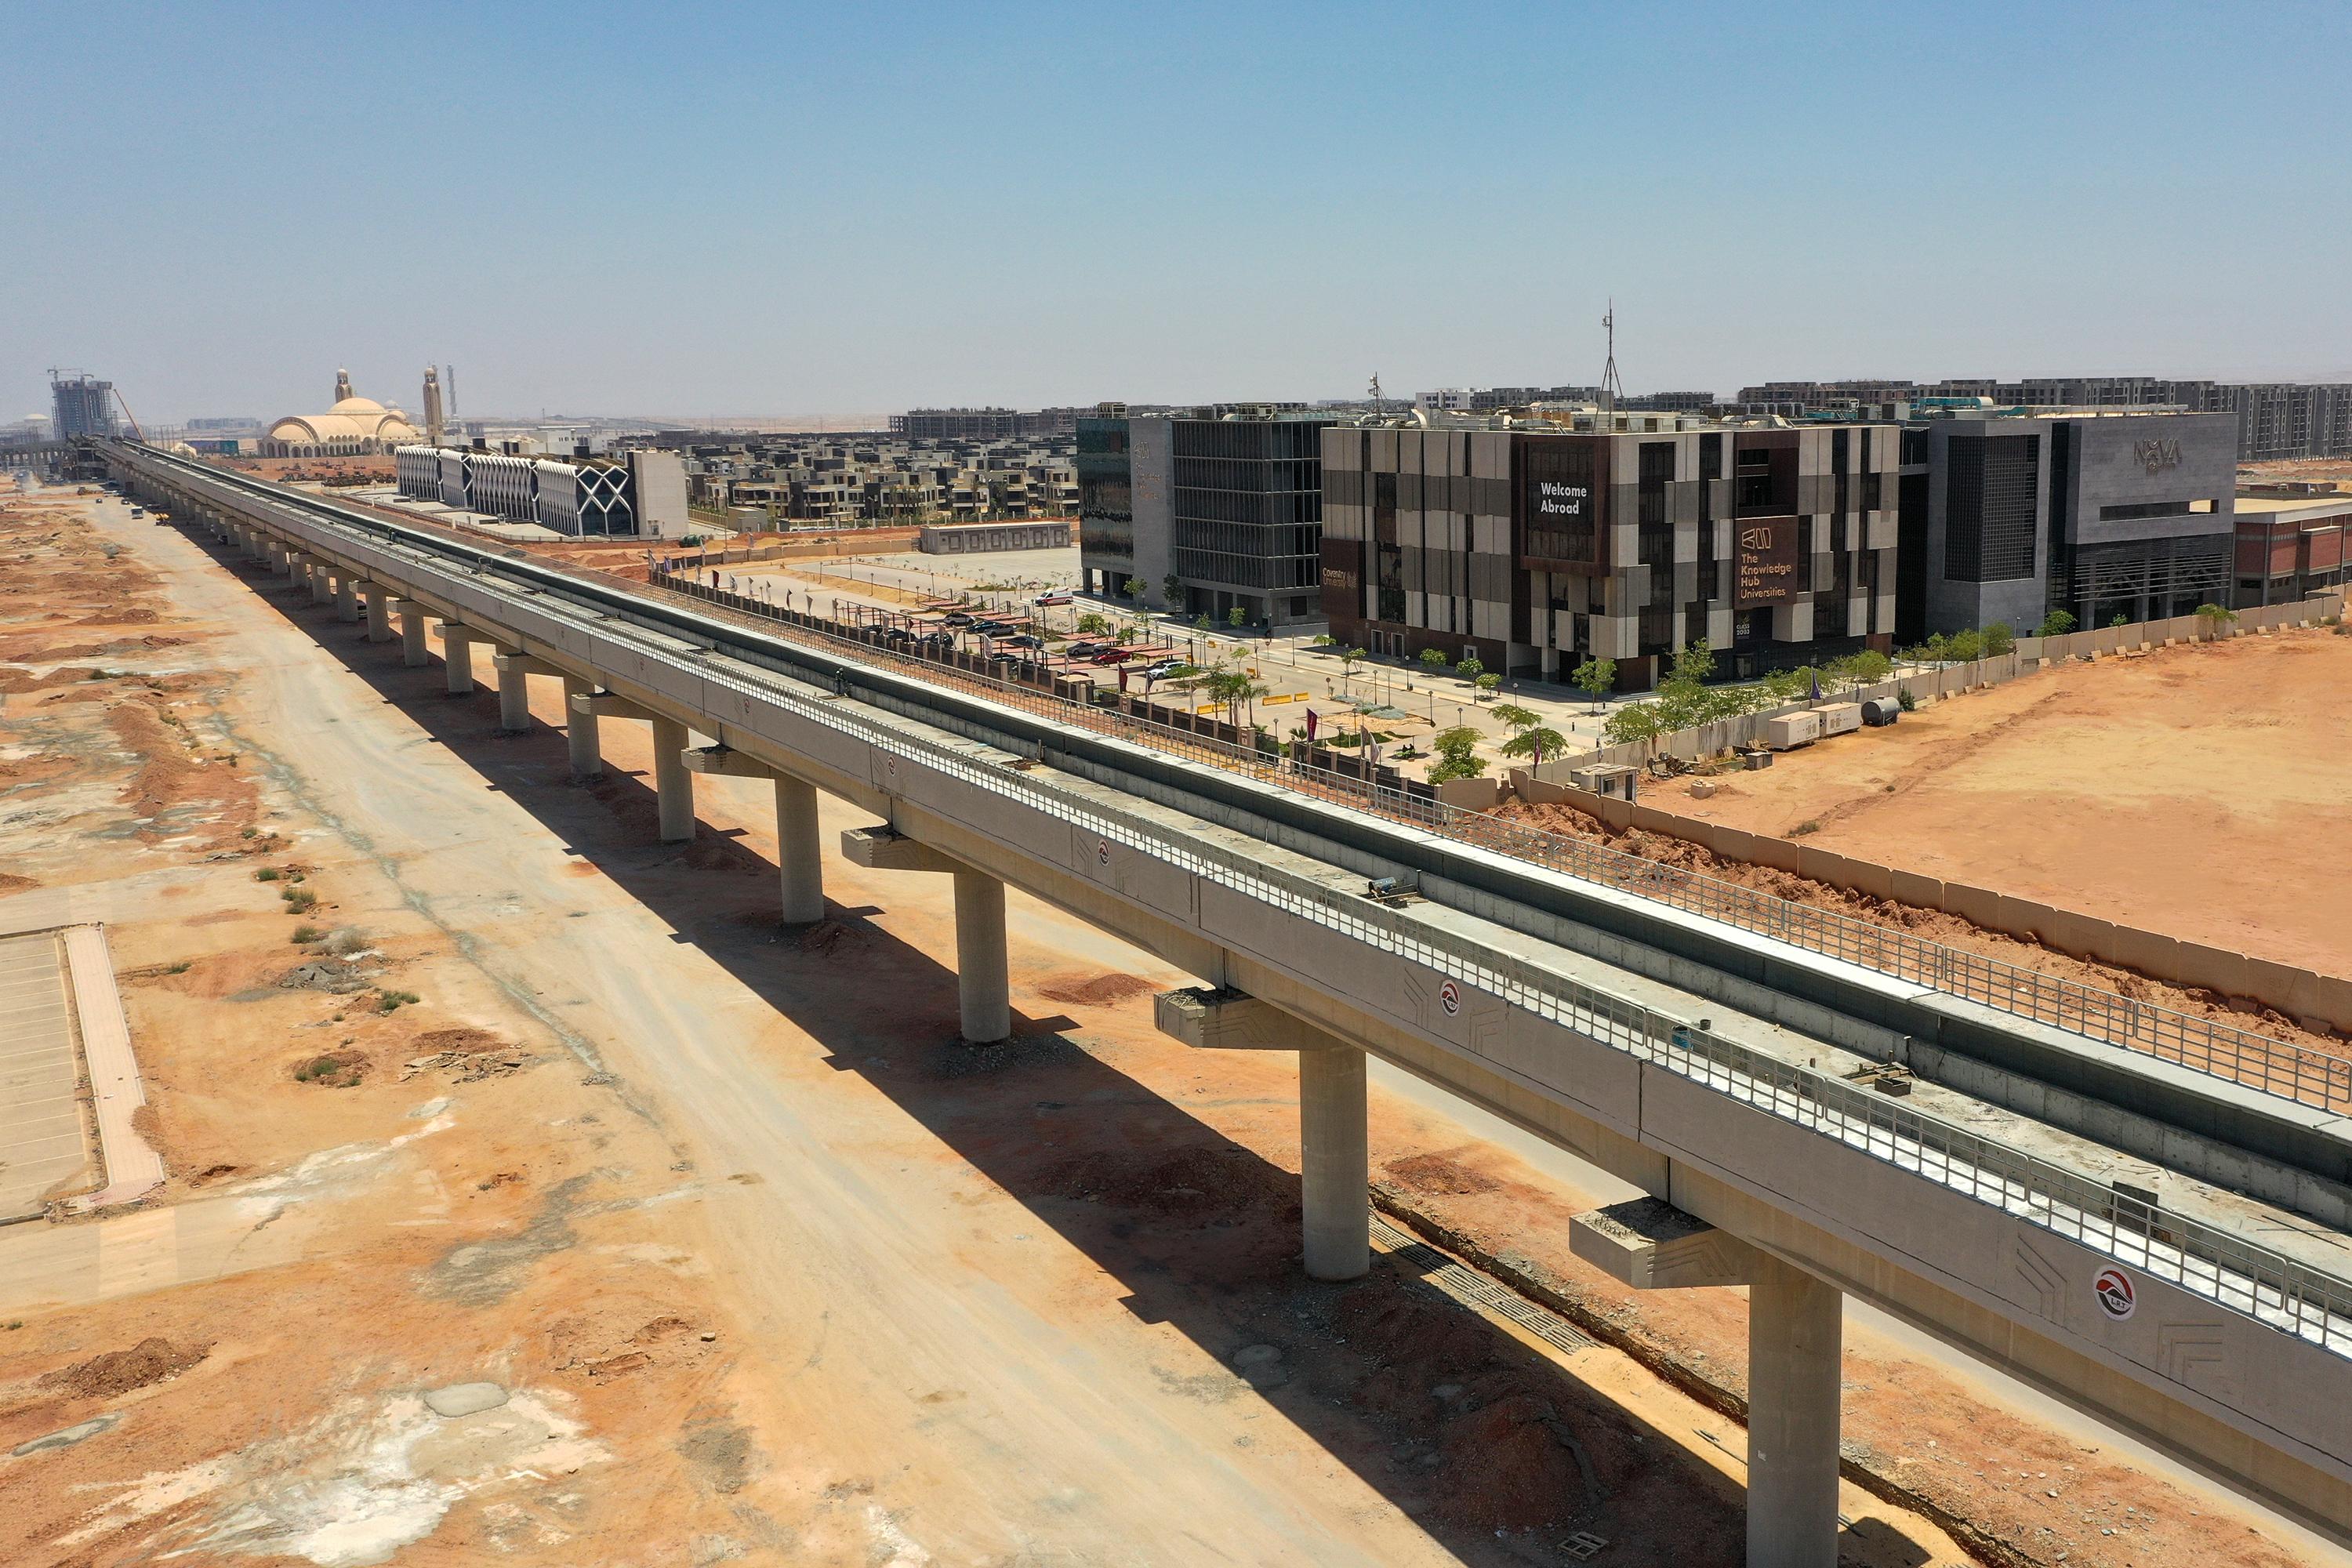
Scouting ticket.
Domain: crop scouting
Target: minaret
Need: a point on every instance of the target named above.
(432, 406)
(342, 385)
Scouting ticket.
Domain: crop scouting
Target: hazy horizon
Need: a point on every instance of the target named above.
(804, 213)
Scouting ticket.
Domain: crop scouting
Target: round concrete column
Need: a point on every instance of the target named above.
(1334, 1161)
(1794, 1327)
(457, 660)
(799, 859)
(982, 985)
(580, 732)
(672, 785)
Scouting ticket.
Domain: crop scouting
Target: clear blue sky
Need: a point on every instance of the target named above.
(776, 210)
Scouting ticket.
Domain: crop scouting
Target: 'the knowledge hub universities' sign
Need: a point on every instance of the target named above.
(1765, 562)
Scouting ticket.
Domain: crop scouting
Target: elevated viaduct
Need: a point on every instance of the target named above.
(2160, 1246)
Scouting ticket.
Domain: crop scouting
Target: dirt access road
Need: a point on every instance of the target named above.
(963, 1309)
(2196, 790)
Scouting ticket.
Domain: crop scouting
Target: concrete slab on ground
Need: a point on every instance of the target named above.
(44, 1145)
(134, 1168)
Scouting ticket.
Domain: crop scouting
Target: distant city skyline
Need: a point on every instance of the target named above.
(783, 215)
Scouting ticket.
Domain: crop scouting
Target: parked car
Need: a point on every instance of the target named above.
(1081, 649)
(955, 618)
(1111, 655)
(1042, 599)
(1160, 669)
(1023, 640)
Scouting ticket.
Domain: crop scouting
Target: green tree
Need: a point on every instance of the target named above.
(1092, 625)
(1597, 676)
(1695, 662)
(1322, 640)
(1489, 684)
(1432, 659)
(1171, 591)
(1349, 658)
(1457, 754)
(1513, 717)
(1237, 617)
(1202, 623)
(2056, 624)
(1470, 669)
(2215, 617)
(1133, 588)
(2121, 619)
(1535, 741)
(1862, 667)
(1999, 639)
(1964, 645)
(1635, 723)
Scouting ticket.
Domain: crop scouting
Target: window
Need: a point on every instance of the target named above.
(1990, 506)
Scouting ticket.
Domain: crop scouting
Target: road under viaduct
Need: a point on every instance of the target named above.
(2158, 1247)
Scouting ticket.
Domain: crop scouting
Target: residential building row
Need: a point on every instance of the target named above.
(777, 482)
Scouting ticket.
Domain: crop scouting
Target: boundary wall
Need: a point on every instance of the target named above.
(2312, 999)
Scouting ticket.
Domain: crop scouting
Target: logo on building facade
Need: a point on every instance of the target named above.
(2157, 456)
(1764, 566)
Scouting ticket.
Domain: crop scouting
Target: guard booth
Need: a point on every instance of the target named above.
(1605, 779)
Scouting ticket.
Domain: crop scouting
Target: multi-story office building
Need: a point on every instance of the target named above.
(2276, 421)
(2008, 516)
(1533, 546)
(80, 405)
(1228, 502)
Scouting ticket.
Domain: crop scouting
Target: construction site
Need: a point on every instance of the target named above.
(525, 1191)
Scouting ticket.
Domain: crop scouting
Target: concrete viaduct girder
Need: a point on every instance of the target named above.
(1997, 1251)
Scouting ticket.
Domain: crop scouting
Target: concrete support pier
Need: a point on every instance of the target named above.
(514, 693)
(1795, 1327)
(378, 613)
(347, 597)
(412, 651)
(580, 729)
(1334, 1171)
(982, 985)
(1334, 1161)
(800, 862)
(672, 785)
(322, 583)
(800, 859)
(1794, 1340)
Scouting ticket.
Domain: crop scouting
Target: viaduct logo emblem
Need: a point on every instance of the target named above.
(2113, 1289)
(1449, 996)
(1755, 539)
(2155, 457)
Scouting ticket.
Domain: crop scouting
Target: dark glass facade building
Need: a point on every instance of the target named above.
(1246, 516)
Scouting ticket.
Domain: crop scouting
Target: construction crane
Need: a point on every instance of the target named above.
(139, 435)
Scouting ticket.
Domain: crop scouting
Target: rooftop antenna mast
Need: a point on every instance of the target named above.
(1610, 389)
(1379, 407)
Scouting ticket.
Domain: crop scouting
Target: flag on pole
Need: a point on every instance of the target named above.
(1313, 723)
(1816, 685)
